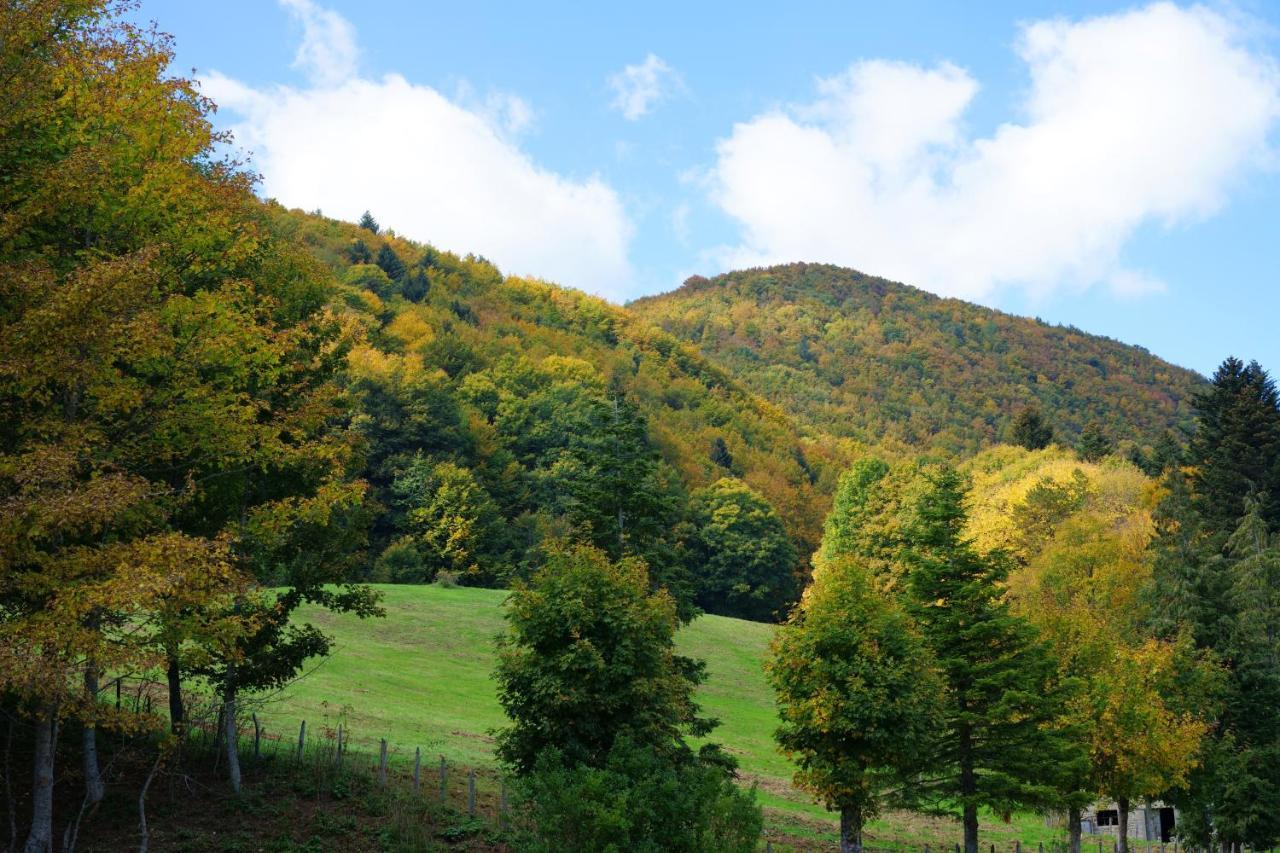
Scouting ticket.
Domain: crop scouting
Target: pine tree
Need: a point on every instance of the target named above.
(390, 262)
(415, 286)
(1003, 746)
(1094, 444)
(1030, 431)
(720, 453)
(1235, 450)
(358, 252)
(368, 223)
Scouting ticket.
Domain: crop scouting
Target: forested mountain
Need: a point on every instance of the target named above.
(527, 410)
(885, 363)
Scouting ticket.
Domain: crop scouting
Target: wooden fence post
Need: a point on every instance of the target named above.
(471, 792)
(382, 764)
(302, 738)
(417, 769)
(257, 736)
(444, 781)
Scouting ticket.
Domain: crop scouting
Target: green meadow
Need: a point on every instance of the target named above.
(420, 678)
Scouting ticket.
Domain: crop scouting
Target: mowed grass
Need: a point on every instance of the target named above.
(422, 678)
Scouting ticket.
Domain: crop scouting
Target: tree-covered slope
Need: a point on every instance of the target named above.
(530, 410)
(862, 357)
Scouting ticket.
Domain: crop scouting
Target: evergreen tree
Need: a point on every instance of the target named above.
(858, 696)
(390, 262)
(1002, 745)
(1235, 450)
(358, 252)
(368, 223)
(415, 286)
(1094, 444)
(1030, 431)
(720, 454)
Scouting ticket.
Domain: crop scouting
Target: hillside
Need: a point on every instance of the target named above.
(421, 678)
(486, 370)
(882, 362)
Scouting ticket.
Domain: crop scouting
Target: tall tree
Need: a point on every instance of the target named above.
(1235, 450)
(858, 696)
(1003, 744)
(368, 223)
(390, 262)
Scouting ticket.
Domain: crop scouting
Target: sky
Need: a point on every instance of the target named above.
(1112, 167)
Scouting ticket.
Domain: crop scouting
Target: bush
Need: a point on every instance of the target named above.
(401, 562)
(637, 802)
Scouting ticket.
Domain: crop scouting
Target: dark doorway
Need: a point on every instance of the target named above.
(1166, 825)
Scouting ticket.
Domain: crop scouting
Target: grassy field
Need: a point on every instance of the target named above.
(421, 678)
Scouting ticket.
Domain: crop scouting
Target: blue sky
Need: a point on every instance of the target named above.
(1108, 166)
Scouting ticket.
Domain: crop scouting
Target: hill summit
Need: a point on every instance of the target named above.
(881, 362)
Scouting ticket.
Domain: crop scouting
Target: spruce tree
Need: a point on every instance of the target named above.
(1094, 444)
(720, 453)
(1030, 431)
(368, 223)
(1235, 450)
(390, 262)
(415, 286)
(1003, 746)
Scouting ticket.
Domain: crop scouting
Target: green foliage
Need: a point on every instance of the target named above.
(452, 518)
(1235, 450)
(858, 696)
(390, 262)
(1003, 745)
(636, 801)
(368, 223)
(742, 562)
(897, 368)
(1094, 444)
(589, 656)
(369, 277)
(1029, 430)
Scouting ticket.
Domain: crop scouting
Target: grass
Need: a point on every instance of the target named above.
(421, 678)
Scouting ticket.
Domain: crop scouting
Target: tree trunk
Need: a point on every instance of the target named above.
(1073, 828)
(850, 830)
(40, 839)
(970, 828)
(1123, 804)
(94, 788)
(229, 735)
(177, 713)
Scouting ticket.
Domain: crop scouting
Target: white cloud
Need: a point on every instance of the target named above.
(1153, 115)
(430, 168)
(327, 53)
(637, 89)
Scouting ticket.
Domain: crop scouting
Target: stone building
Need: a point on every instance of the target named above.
(1147, 822)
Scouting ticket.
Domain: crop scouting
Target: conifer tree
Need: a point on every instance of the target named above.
(1003, 746)
(1029, 430)
(368, 223)
(1235, 450)
(720, 453)
(1094, 444)
(390, 262)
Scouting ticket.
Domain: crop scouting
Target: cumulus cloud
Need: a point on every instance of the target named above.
(434, 169)
(1150, 116)
(637, 89)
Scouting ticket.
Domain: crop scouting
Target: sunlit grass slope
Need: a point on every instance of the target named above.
(421, 678)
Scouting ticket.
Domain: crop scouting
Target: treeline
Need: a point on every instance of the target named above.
(1038, 631)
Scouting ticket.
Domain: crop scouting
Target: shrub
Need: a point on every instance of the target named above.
(638, 801)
